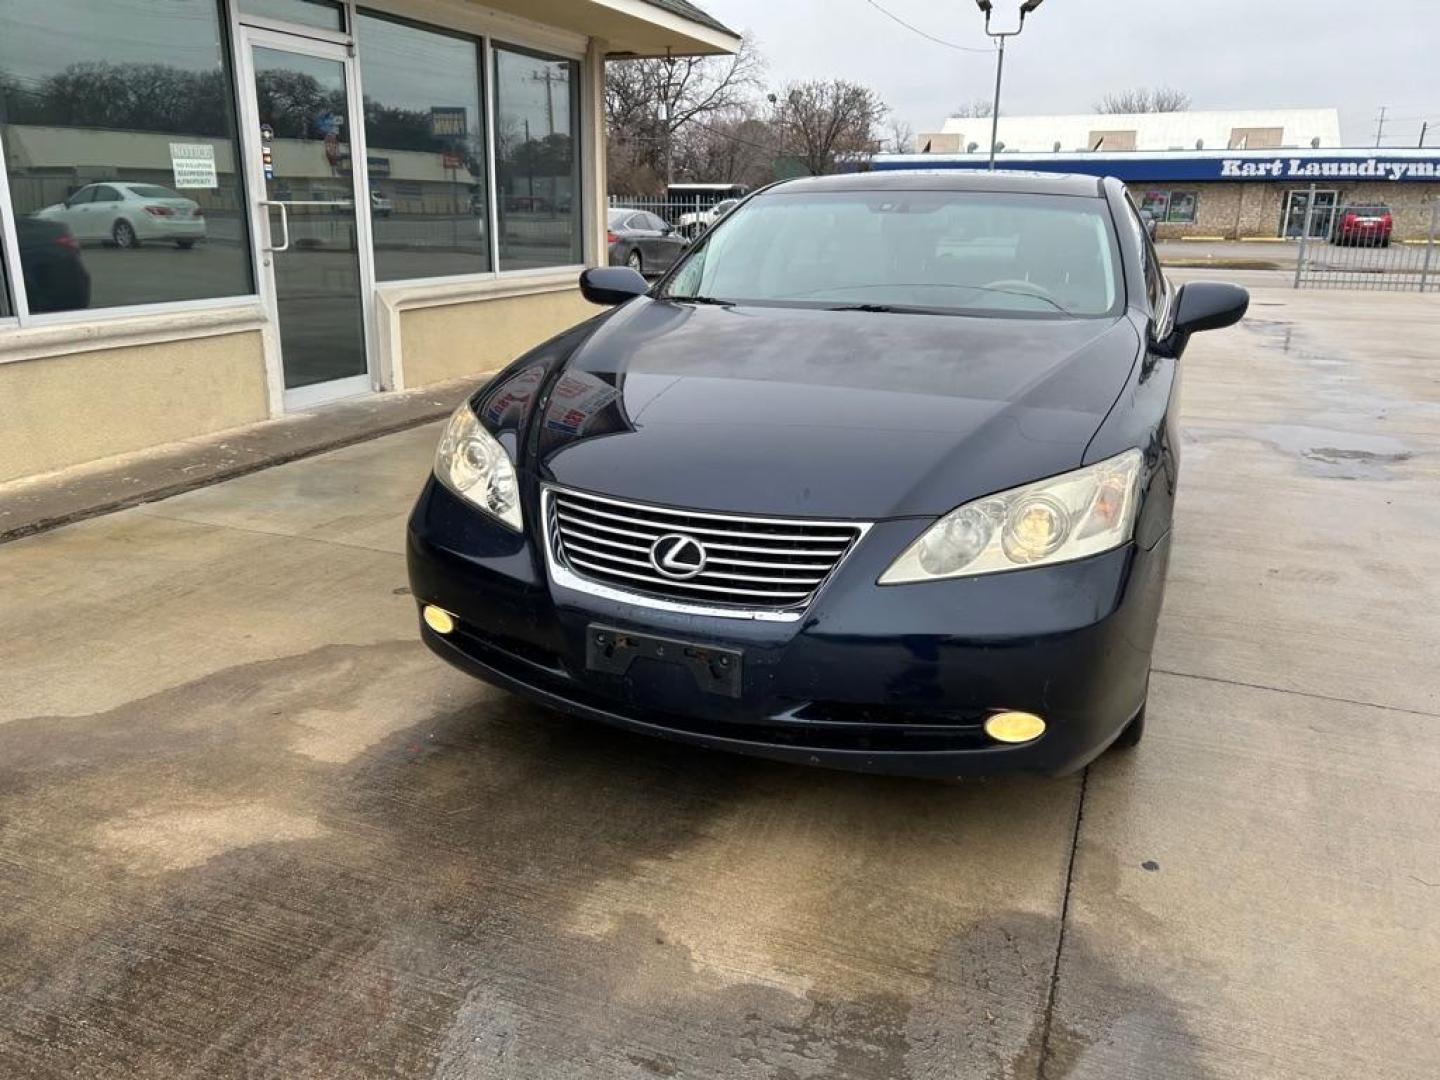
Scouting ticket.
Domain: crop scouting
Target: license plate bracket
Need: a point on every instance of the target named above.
(612, 651)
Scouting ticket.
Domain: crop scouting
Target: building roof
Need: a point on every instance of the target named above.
(687, 10)
(1215, 129)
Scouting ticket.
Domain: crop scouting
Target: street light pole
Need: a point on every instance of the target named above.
(986, 6)
(995, 111)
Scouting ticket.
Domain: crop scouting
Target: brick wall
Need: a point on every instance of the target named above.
(1254, 210)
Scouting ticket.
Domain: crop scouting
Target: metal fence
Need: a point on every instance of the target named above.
(1359, 246)
(688, 216)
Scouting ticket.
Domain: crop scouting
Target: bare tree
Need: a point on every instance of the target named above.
(738, 147)
(902, 137)
(1143, 99)
(980, 107)
(649, 104)
(823, 121)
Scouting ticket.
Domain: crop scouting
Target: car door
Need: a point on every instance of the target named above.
(668, 243)
(76, 213)
(641, 236)
(103, 209)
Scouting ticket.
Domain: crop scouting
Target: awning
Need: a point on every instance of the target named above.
(632, 27)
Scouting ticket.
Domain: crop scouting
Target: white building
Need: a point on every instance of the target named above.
(1230, 129)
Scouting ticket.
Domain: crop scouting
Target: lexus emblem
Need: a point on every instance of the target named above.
(678, 556)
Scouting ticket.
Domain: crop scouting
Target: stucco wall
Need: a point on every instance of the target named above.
(454, 340)
(63, 410)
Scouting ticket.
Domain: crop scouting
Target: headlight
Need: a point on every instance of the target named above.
(1066, 517)
(474, 466)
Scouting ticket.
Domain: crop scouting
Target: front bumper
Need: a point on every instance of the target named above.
(895, 680)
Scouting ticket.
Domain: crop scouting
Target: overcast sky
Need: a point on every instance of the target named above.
(1355, 55)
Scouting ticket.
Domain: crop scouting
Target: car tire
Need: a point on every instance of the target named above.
(1133, 733)
(123, 233)
(635, 262)
(1385, 243)
(184, 245)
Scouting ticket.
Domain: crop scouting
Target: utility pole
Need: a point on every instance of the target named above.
(665, 119)
(1380, 126)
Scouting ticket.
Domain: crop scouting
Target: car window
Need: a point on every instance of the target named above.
(1150, 263)
(615, 218)
(104, 193)
(154, 191)
(83, 196)
(653, 222)
(636, 221)
(986, 253)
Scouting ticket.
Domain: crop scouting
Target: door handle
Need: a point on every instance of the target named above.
(284, 226)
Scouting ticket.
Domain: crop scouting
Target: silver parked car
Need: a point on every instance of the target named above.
(640, 240)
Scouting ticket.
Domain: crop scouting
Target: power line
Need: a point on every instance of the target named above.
(927, 36)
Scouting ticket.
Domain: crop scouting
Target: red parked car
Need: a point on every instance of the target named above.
(1368, 225)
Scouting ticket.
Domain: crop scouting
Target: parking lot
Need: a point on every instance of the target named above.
(249, 826)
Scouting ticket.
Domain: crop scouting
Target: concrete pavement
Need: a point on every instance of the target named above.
(250, 827)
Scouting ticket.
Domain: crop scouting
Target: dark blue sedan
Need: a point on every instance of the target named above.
(880, 476)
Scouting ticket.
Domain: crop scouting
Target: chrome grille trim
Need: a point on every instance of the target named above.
(601, 545)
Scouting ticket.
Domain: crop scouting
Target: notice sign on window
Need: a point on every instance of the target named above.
(194, 165)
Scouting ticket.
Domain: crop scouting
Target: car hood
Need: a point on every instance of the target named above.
(786, 411)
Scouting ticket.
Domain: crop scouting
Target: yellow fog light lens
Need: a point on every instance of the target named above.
(1014, 727)
(438, 619)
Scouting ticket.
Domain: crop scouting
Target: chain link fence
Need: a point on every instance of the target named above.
(1355, 245)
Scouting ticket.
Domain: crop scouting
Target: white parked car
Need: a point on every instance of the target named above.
(693, 224)
(129, 215)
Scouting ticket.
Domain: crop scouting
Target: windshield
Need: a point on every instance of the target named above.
(151, 191)
(962, 252)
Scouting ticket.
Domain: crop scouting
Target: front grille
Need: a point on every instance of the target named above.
(751, 563)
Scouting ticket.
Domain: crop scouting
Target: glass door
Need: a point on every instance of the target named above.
(314, 245)
(1297, 205)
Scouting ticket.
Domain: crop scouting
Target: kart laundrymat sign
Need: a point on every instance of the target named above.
(1336, 169)
(1198, 166)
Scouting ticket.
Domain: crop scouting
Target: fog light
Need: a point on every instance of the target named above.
(1014, 727)
(438, 619)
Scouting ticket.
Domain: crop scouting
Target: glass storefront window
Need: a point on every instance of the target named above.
(1156, 203)
(537, 159)
(119, 127)
(1182, 207)
(321, 14)
(425, 136)
(6, 309)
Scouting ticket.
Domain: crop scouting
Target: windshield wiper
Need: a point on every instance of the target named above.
(895, 309)
(701, 300)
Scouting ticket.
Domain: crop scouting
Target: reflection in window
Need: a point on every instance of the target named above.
(323, 14)
(537, 125)
(425, 135)
(119, 128)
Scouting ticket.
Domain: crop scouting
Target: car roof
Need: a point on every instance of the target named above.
(1003, 180)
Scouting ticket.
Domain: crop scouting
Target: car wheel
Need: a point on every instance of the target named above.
(1134, 731)
(124, 235)
(185, 245)
(635, 262)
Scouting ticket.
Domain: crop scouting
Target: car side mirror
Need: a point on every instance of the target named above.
(1203, 305)
(611, 285)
